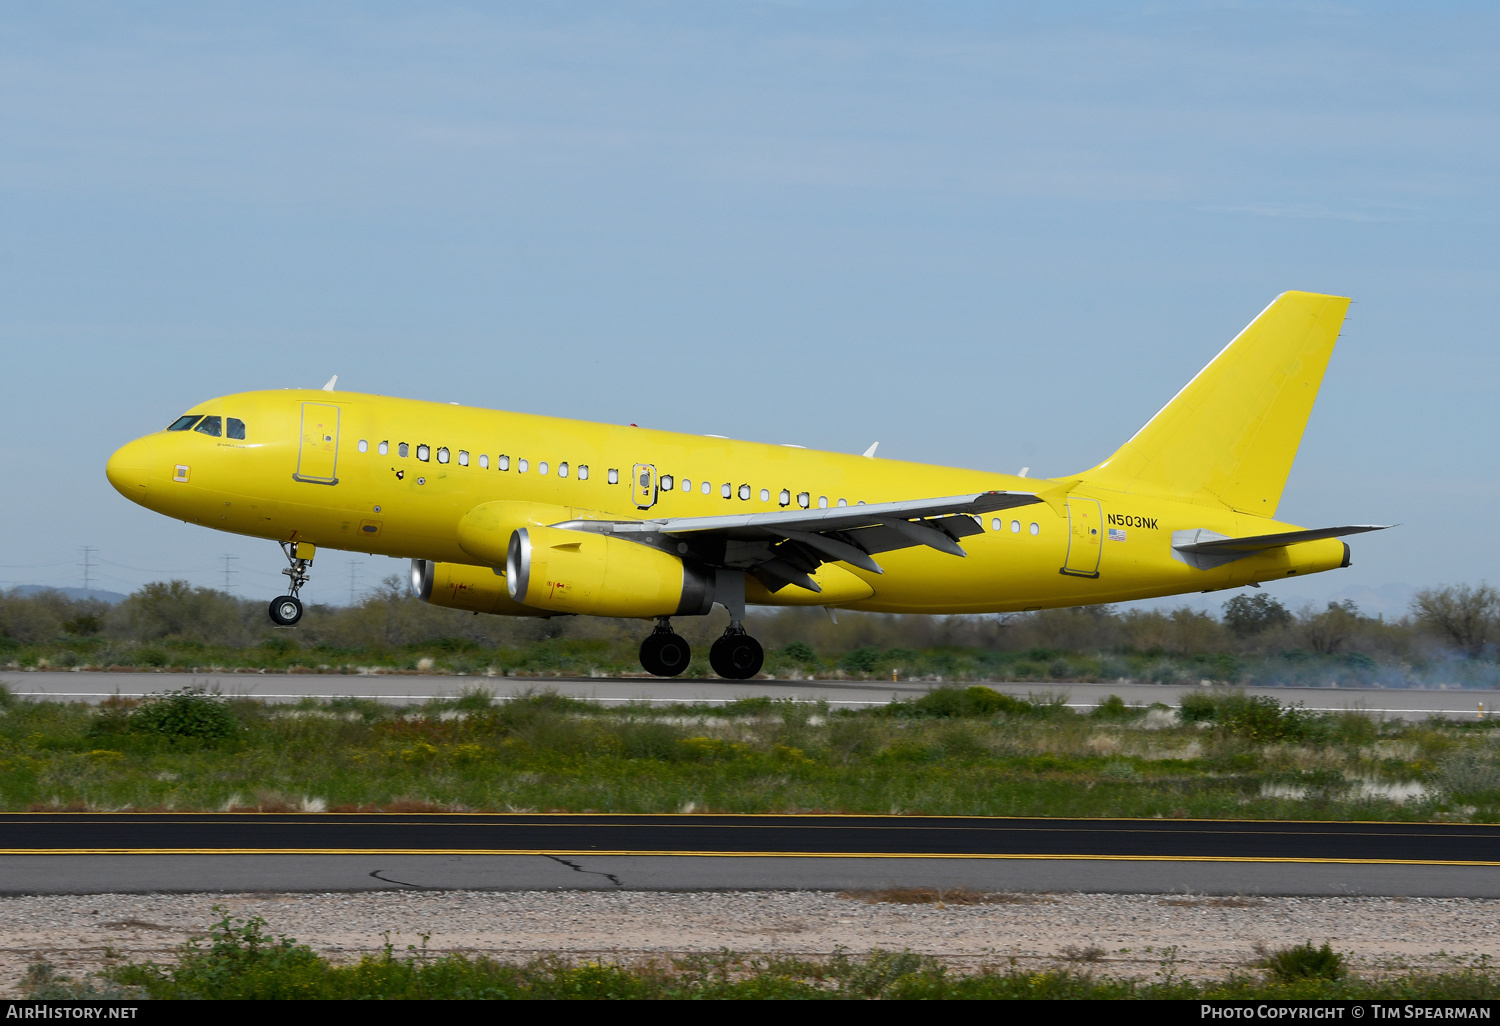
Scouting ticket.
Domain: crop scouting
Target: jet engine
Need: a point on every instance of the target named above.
(478, 589)
(565, 571)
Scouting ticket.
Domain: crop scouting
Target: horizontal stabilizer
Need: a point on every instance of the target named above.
(1207, 549)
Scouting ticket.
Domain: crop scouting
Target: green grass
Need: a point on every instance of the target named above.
(953, 752)
(238, 960)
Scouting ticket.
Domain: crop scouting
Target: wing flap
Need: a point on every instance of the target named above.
(785, 546)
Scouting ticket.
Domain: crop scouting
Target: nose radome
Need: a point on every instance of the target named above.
(128, 469)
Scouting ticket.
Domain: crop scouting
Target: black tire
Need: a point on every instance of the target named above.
(736, 657)
(665, 655)
(286, 611)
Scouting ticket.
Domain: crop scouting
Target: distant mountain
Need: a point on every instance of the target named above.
(111, 597)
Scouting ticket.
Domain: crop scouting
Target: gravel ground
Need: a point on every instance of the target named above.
(1118, 934)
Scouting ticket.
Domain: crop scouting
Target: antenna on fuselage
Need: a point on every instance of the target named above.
(331, 382)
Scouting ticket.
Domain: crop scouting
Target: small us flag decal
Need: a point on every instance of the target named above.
(1116, 534)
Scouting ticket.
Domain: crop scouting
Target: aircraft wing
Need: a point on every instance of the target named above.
(1206, 549)
(785, 546)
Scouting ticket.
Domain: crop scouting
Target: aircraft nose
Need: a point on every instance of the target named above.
(128, 469)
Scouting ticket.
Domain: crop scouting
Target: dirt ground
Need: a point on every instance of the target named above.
(1129, 935)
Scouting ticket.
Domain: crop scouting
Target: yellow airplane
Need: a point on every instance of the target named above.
(524, 515)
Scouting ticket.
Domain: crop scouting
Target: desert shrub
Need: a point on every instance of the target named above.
(1470, 774)
(1114, 709)
(186, 714)
(1305, 962)
(798, 651)
(861, 660)
(952, 702)
(1197, 707)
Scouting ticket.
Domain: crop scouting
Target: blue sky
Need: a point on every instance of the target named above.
(985, 235)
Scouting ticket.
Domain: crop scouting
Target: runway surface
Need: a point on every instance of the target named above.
(66, 853)
(412, 689)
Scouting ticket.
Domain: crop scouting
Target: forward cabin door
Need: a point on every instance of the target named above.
(317, 458)
(1085, 537)
(643, 485)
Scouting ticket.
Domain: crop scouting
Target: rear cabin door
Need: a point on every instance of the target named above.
(317, 457)
(1085, 537)
(643, 484)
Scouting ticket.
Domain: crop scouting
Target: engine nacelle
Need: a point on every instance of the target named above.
(595, 574)
(478, 589)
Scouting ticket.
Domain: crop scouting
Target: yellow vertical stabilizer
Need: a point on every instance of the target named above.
(1232, 432)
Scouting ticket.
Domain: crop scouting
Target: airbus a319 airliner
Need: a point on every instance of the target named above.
(524, 515)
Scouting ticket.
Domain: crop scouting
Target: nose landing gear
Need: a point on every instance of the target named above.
(287, 609)
(665, 653)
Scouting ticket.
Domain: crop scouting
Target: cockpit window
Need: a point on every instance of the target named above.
(211, 426)
(236, 428)
(184, 422)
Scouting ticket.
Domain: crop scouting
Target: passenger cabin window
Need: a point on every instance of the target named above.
(667, 481)
(463, 458)
(443, 454)
(402, 449)
(424, 452)
(484, 461)
(364, 446)
(562, 470)
(502, 462)
(211, 426)
(613, 476)
(385, 448)
(185, 422)
(583, 471)
(237, 430)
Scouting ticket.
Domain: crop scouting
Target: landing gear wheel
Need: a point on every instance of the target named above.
(665, 654)
(736, 657)
(286, 611)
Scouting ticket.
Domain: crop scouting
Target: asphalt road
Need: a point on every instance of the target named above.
(853, 836)
(68, 853)
(410, 689)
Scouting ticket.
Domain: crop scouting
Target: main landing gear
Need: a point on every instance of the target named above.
(665, 653)
(736, 655)
(287, 610)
